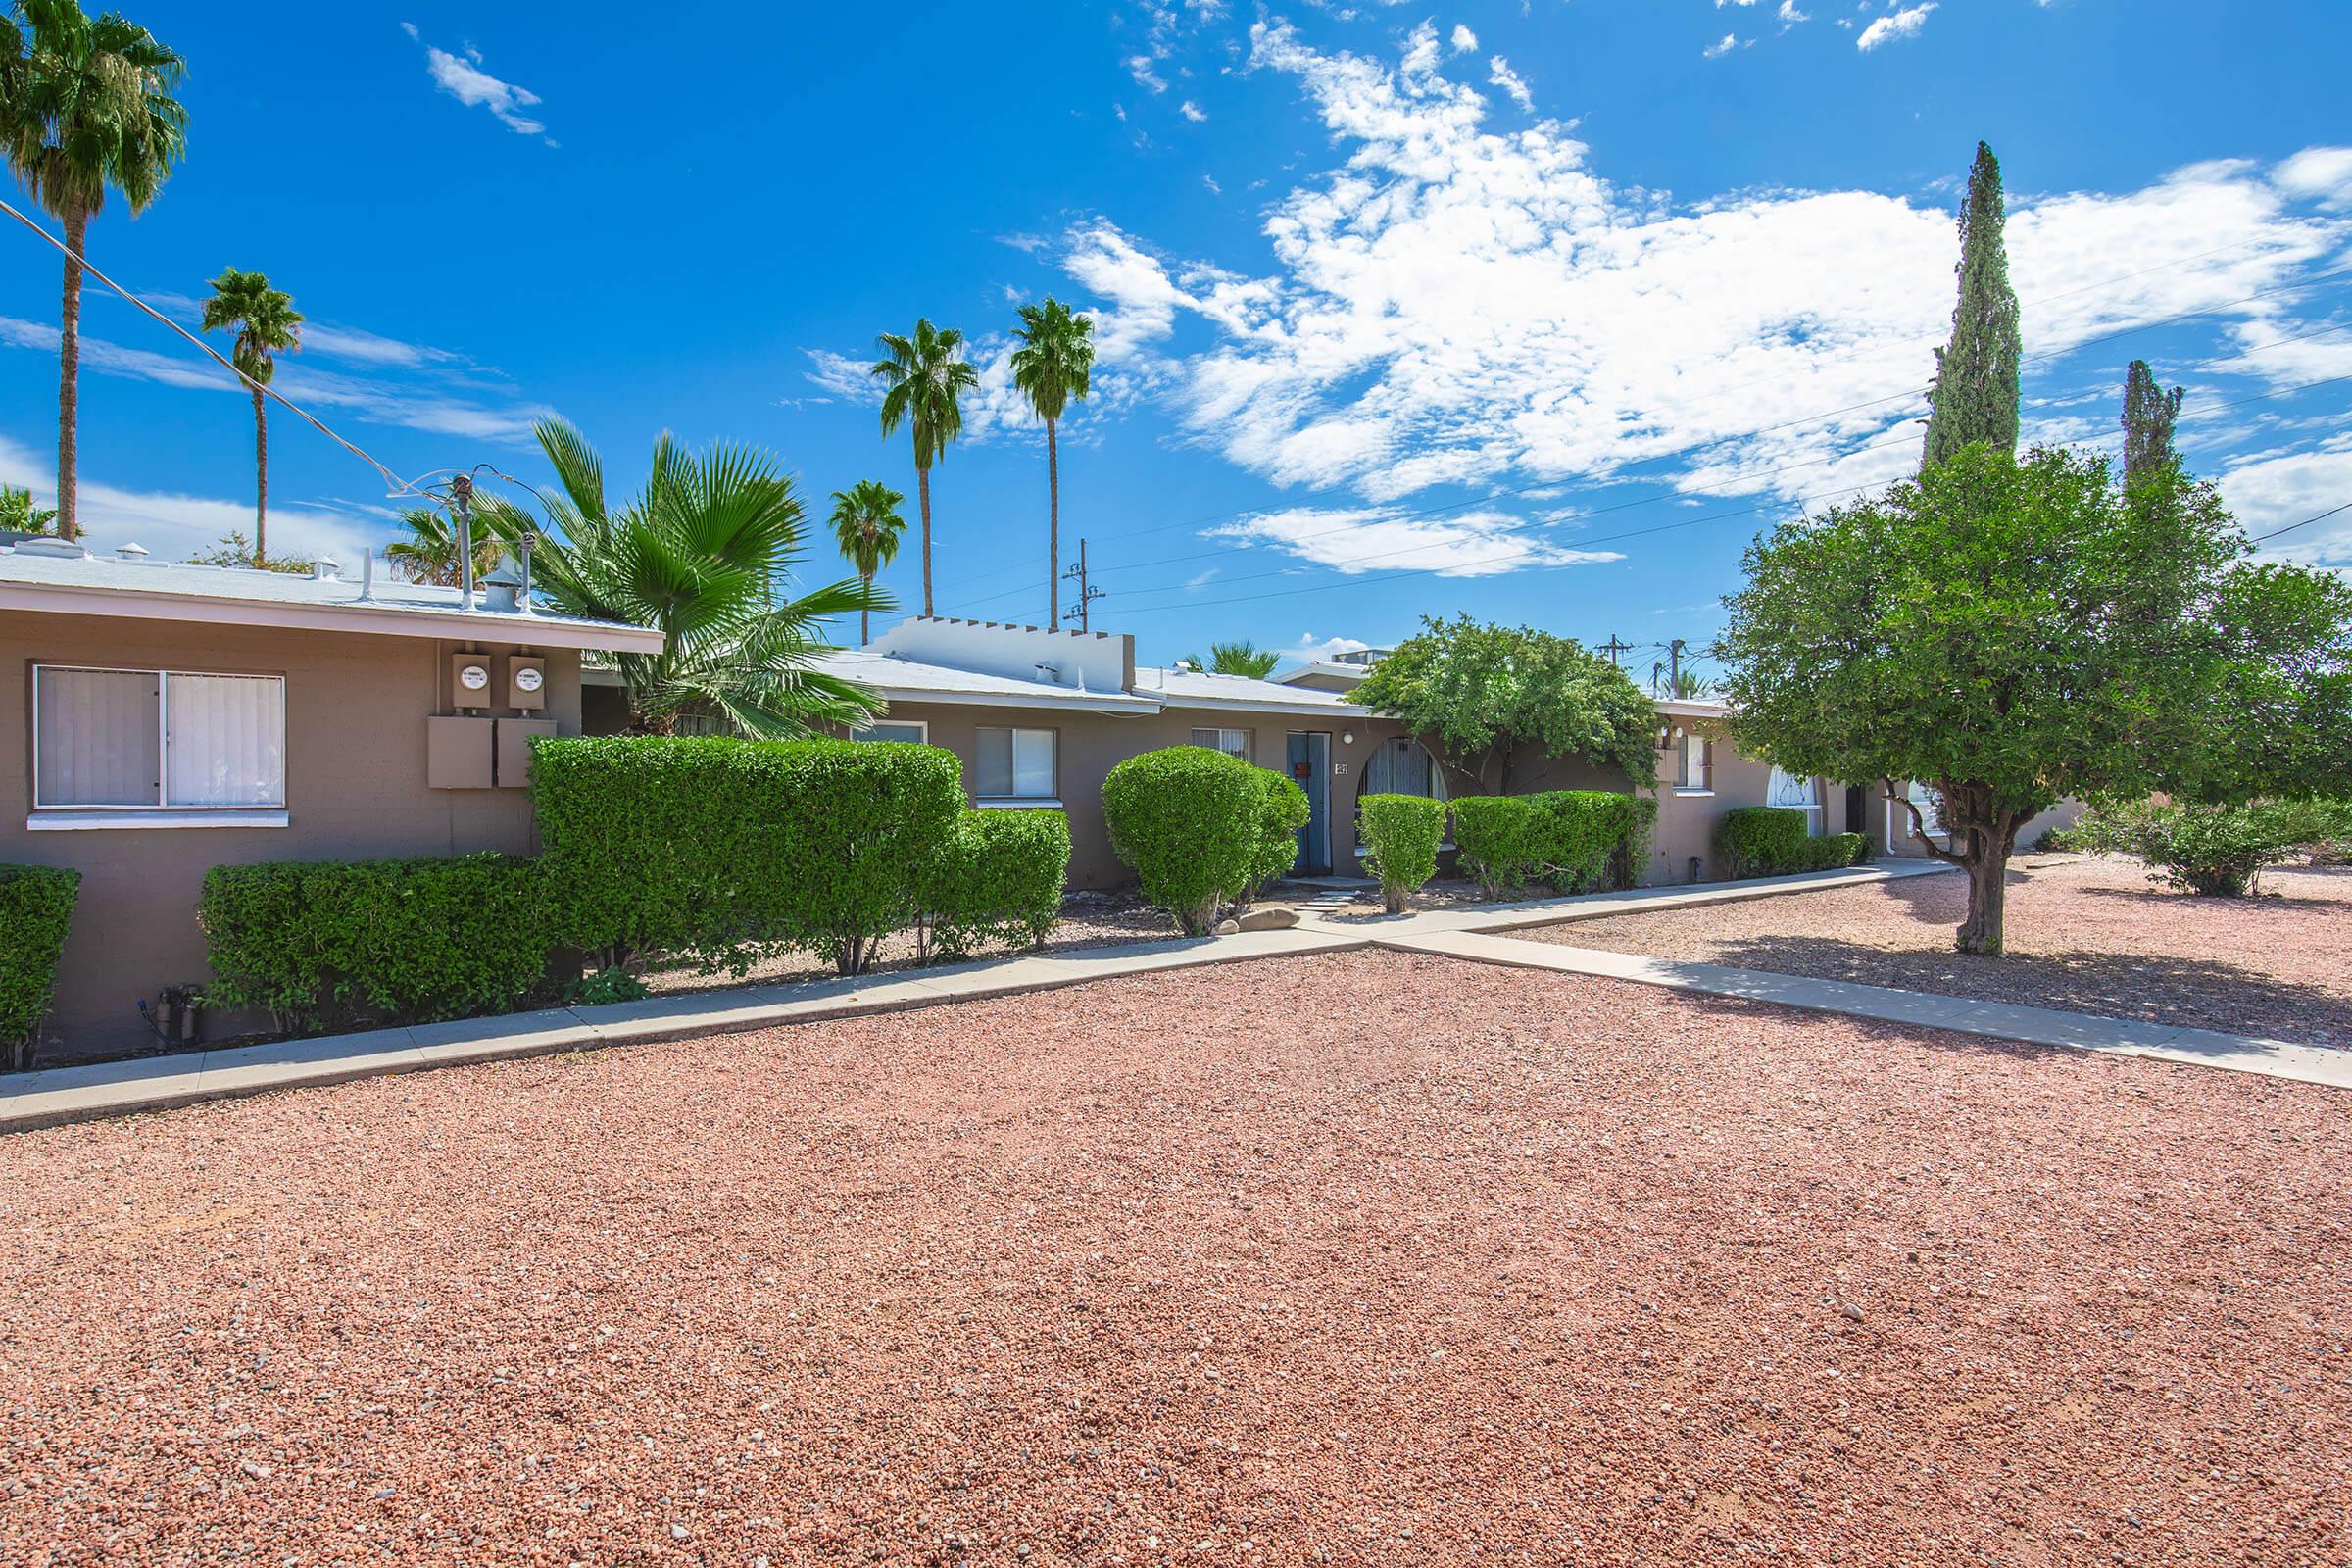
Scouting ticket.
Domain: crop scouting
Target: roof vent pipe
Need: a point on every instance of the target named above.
(368, 574)
(323, 570)
(133, 553)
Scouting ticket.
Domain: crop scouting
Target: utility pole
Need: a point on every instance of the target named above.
(1674, 667)
(1088, 593)
(460, 494)
(1616, 649)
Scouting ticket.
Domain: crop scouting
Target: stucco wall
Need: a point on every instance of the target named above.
(356, 708)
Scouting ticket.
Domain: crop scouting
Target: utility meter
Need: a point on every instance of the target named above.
(469, 678)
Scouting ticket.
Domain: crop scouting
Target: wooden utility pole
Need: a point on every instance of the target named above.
(1088, 593)
(1616, 649)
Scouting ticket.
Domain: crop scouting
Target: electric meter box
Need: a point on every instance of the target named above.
(457, 752)
(514, 749)
(526, 682)
(470, 681)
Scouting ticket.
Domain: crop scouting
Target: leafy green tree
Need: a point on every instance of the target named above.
(2148, 416)
(266, 325)
(85, 107)
(1976, 396)
(1054, 365)
(429, 550)
(2009, 632)
(868, 527)
(1238, 659)
(697, 557)
(1485, 694)
(925, 377)
(18, 514)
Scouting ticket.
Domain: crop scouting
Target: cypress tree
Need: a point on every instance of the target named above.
(1976, 396)
(2148, 414)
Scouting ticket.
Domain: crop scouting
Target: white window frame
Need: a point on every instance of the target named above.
(1051, 799)
(1816, 813)
(866, 731)
(44, 818)
(1705, 783)
(1216, 741)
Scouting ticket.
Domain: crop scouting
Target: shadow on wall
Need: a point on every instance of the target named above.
(2200, 993)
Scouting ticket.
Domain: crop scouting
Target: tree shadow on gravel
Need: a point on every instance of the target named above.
(2198, 993)
(2260, 903)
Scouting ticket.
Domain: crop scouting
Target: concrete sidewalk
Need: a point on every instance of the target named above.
(158, 1082)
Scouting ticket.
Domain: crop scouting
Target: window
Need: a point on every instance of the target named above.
(1797, 794)
(1402, 767)
(1012, 764)
(130, 740)
(1232, 742)
(1695, 770)
(906, 732)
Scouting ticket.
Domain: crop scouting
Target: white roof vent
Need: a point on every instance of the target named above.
(132, 553)
(62, 549)
(323, 571)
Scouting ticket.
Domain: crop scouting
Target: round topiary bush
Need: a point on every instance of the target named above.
(1400, 834)
(1189, 821)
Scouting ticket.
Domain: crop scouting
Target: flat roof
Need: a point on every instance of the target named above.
(43, 576)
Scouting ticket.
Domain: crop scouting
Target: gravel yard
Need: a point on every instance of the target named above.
(1363, 1259)
(2084, 934)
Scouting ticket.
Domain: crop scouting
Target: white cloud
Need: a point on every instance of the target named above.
(1140, 68)
(368, 348)
(1463, 40)
(1901, 25)
(1720, 47)
(1191, 111)
(172, 527)
(2274, 490)
(842, 376)
(1790, 15)
(469, 83)
(1456, 306)
(2322, 173)
(1500, 74)
(1352, 541)
(1309, 648)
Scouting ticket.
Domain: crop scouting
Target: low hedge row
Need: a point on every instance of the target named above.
(1201, 828)
(1575, 841)
(1401, 834)
(1777, 840)
(336, 943)
(36, 906)
(999, 879)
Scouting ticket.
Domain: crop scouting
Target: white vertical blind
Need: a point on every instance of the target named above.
(224, 740)
(1402, 766)
(1033, 763)
(1694, 761)
(96, 736)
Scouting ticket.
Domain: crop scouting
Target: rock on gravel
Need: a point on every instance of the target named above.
(1362, 1258)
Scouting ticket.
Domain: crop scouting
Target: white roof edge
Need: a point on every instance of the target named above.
(1099, 703)
(382, 620)
(1243, 705)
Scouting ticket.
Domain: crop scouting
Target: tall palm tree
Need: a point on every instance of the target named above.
(925, 377)
(696, 557)
(85, 107)
(1238, 659)
(1052, 367)
(266, 325)
(430, 551)
(866, 525)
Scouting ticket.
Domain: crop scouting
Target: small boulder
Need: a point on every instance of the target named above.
(1228, 928)
(1268, 920)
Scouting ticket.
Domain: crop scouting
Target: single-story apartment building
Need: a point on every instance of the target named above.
(1039, 718)
(174, 717)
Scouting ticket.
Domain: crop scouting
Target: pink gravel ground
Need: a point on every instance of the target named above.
(2084, 934)
(1362, 1258)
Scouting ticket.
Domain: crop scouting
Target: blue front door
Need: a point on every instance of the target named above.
(1309, 758)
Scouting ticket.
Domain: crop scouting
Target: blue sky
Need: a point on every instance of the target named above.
(1537, 310)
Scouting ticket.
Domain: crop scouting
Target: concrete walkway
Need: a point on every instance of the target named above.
(64, 1095)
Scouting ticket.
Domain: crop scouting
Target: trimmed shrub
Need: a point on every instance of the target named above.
(2219, 851)
(1191, 822)
(36, 906)
(998, 880)
(337, 943)
(1774, 841)
(722, 850)
(1574, 840)
(1283, 810)
(1831, 852)
(1400, 834)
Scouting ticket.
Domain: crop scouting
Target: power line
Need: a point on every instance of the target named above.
(2305, 523)
(399, 485)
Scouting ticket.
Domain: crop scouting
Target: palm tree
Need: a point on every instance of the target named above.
(1052, 367)
(85, 105)
(430, 551)
(925, 375)
(1238, 659)
(696, 557)
(866, 525)
(266, 325)
(18, 514)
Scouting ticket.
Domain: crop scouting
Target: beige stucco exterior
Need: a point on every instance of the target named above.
(356, 707)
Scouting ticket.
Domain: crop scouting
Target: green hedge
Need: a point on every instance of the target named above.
(998, 880)
(1774, 841)
(1400, 835)
(1282, 810)
(1574, 840)
(2218, 851)
(333, 944)
(1192, 824)
(723, 850)
(36, 905)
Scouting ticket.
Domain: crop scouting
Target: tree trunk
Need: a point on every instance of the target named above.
(865, 618)
(1053, 530)
(260, 478)
(69, 377)
(923, 484)
(1988, 890)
